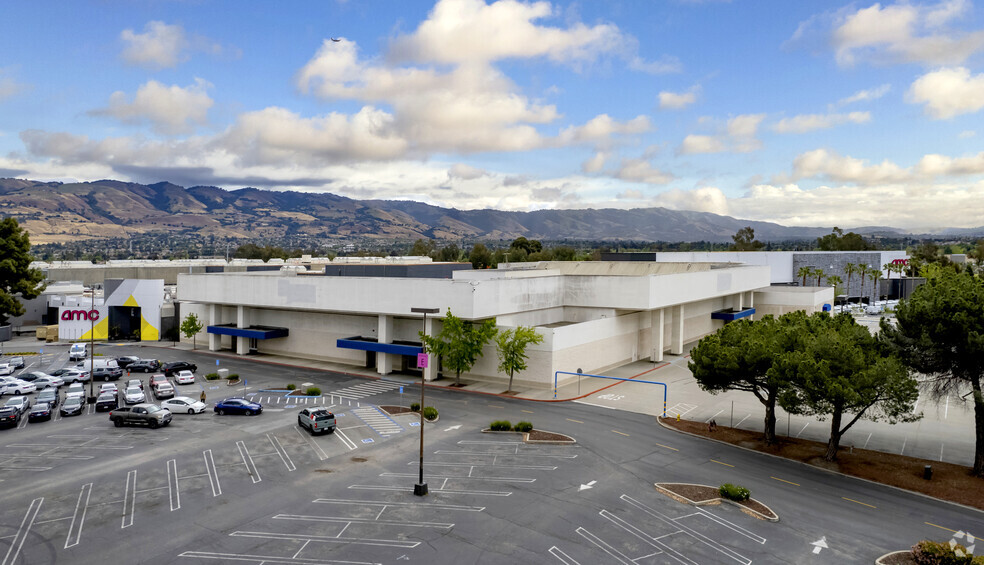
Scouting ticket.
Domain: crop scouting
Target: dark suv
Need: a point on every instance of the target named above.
(145, 365)
(172, 368)
(107, 373)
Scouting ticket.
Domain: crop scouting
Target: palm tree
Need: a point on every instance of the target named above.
(834, 281)
(863, 271)
(804, 272)
(875, 276)
(818, 273)
(849, 269)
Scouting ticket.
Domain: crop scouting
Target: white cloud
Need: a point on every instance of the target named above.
(907, 33)
(738, 137)
(9, 87)
(169, 109)
(678, 100)
(967, 134)
(698, 144)
(942, 165)
(811, 122)
(465, 172)
(160, 46)
(601, 128)
(948, 93)
(828, 164)
(630, 194)
(865, 95)
(705, 199)
(595, 164)
(665, 65)
(639, 170)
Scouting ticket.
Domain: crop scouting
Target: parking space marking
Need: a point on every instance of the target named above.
(25, 528)
(429, 506)
(23, 422)
(172, 484)
(248, 461)
(213, 474)
(563, 557)
(267, 559)
(282, 453)
(129, 498)
(347, 520)
(345, 440)
(364, 390)
(680, 408)
(433, 490)
(314, 445)
(493, 464)
(378, 421)
(465, 478)
(558, 456)
(328, 539)
(78, 517)
(602, 545)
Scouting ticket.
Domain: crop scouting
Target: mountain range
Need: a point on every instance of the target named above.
(54, 212)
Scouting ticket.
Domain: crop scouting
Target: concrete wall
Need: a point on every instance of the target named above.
(778, 300)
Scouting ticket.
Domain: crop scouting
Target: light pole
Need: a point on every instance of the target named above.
(92, 347)
(420, 489)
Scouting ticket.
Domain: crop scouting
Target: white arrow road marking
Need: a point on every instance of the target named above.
(820, 544)
(587, 486)
(452, 428)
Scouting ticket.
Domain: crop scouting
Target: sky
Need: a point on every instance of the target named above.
(804, 113)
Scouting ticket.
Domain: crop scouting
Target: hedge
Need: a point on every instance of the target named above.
(313, 391)
(500, 426)
(734, 492)
(430, 413)
(524, 427)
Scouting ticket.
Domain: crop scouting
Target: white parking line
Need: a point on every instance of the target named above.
(172, 484)
(742, 420)
(129, 498)
(345, 439)
(429, 506)
(282, 452)
(344, 519)
(314, 445)
(18, 542)
(78, 517)
(563, 557)
(328, 539)
(266, 559)
(714, 416)
(803, 430)
(464, 478)
(213, 475)
(248, 461)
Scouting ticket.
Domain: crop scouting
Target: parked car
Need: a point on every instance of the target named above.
(73, 406)
(17, 362)
(106, 401)
(172, 368)
(9, 417)
(107, 373)
(185, 378)
(134, 382)
(108, 387)
(31, 376)
(126, 360)
(316, 420)
(144, 366)
(17, 386)
(49, 396)
(149, 414)
(75, 390)
(238, 406)
(40, 412)
(19, 403)
(6, 369)
(133, 395)
(41, 380)
(78, 351)
(163, 390)
(155, 380)
(183, 405)
(71, 375)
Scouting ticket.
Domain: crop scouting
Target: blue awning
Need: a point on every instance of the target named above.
(254, 332)
(732, 315)
(370, 344)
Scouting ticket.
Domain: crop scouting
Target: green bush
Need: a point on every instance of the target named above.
(211, 376)
(233, 377)
(414, 406)
(500, 426)
(313, 391)
(291, 386)
(524, 427)
(734, 492)
(430, 413)
(933, 553)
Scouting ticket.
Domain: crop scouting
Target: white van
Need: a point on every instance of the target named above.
(78, 351)
(86, 365)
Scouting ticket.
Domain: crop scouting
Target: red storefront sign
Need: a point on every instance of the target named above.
(87, 315)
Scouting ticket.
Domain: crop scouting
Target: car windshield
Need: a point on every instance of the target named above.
(152, 408)
(133, 390)
(73, 400)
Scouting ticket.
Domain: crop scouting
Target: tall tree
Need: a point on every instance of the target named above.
(17, 279)
(459, 343)
(739, 356)
(939, 332)
(745, 240)
(511, 349)
(849, 269)
(863, 272)
(804, 272)
(876, 275)
(480, 256)
(818, 273)
(190, 327)
(841, 370)
(834, 281)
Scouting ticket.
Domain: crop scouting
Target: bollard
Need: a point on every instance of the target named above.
(678, 417)
(928, 472)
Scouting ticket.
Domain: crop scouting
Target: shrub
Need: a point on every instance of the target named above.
(524, 427)
(211, 376)
(414, 406)
(500, 426)
(734, 492)
(291, 386)
(430, 413)
(313, 391)
(233, 377)
(933, 553)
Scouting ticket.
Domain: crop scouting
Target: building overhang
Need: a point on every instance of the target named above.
(253, 332)
(732, 315)
(370, 344)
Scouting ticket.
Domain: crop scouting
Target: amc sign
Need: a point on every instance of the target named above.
(87, 315)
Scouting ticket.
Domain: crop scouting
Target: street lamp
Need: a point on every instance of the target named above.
(420, 489)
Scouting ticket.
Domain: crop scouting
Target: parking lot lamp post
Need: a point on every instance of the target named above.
(420, 489)
(92, 348)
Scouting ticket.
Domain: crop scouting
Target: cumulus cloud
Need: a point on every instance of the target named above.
(678, 100)
(811, 122)
(942, 165)
(630, 194)
(948, 93)
(465, 172)
(169, 109)
(907, 33)
(601, 128)
(737, 137)
(640, 170)
(595, 164)
(163, 46)
(699, 144)
(705, 199)
(865, 95)
(823, 163)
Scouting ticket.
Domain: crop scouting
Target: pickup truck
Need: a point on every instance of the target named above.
(149, 414)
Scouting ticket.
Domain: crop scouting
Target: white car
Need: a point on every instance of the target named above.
(183, 405)
(75, 390)
(163, 390)
(6, 369)
(133, 395)
(108, 387)
(185, 378)
(17, 386)
(42, 383)
(74, 376)
(19, 403)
